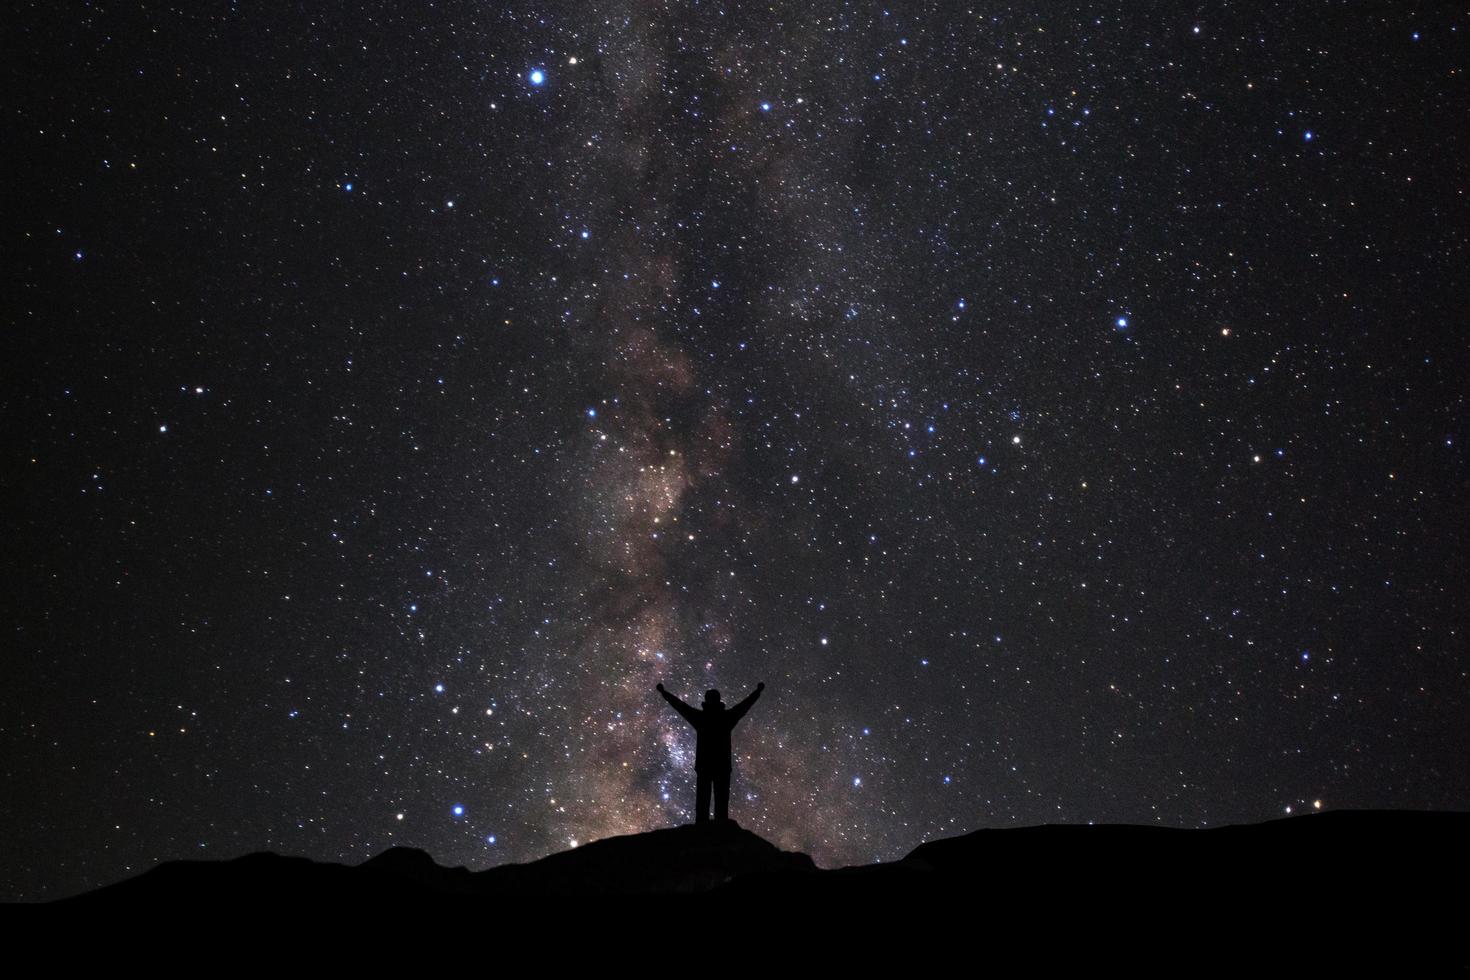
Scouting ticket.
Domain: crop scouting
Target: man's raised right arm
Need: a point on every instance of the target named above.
(689, 713)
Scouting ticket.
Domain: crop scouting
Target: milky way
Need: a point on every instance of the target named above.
(1060, 410)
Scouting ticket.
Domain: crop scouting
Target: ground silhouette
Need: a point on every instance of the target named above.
(1346, 887)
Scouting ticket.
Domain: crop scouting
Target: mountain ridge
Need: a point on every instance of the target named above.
(1338, 888)
(719, 860)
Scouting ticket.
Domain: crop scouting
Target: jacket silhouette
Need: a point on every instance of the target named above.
(712, 723)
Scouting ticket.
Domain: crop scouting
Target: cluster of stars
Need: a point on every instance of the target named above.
(1051, 406)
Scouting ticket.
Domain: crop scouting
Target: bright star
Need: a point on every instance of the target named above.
(458, 810)
(537, 76)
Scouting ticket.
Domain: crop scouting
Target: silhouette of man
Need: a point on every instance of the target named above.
(712, 723)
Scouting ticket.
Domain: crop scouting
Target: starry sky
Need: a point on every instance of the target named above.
(1060, 408)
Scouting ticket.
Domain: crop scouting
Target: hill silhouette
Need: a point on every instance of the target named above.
(1345, 886)
(692, 860)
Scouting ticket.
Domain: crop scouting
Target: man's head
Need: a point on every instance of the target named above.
(712, 698)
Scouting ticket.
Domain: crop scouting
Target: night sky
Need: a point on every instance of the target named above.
(1061, 409)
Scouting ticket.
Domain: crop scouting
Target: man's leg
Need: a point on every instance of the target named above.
(701, 796)
(722, 796)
